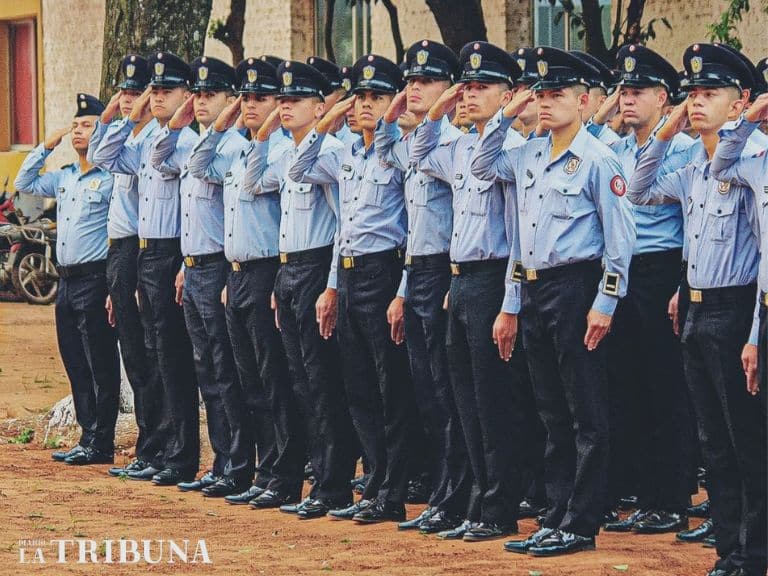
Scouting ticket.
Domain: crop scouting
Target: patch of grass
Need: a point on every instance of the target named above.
(123, 476)
(52, 442)
(24, 437)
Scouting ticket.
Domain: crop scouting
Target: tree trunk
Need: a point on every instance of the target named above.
(594, 41)
(143, 26)
(460, 21)
(231, 32)
(397, 37)
(634, 21)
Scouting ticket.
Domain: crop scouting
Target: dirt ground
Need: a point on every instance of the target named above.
(41, 500)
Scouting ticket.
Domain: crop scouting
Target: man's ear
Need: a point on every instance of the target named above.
(320, 109)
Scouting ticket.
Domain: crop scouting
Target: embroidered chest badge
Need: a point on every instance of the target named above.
(618, 186)
(723, 187)
(572, 165)
(94, 184)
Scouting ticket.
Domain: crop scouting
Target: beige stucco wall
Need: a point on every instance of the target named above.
(72, 43)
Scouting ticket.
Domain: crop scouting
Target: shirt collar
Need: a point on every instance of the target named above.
(577, 145)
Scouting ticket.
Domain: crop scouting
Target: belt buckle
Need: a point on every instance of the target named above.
(408, 260)
(109, 241)
(695, 295)
(143, 243)
(455, 269)
(531, 275)
(283, 258)
(236, 266)
(189, 261)
(347, 262)
(765, 298)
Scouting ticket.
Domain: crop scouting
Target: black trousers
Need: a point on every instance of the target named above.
(122, 278)
(429, 279)
(376, 378)
(732, 423)
(651, 440)
(315, 367)
(569, 383)
(275, 427)
(488, 393)
(762, 354)
(168, 345)
(215, 368)
(88, 348)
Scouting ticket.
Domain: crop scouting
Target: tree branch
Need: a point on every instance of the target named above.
(395, 23)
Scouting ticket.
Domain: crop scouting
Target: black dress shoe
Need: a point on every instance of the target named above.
(522, 546)
(697, 534)
(709, 541)
(207, 479)
(381, 511)
(457, 532)
(224, 486)
(349, 512)
(170, 477)
(627, 524)
(728, 572)
(699, 510)
(610, 517)
(61, 455)
(317, 508)
(273, 499)
(661, 522)
(146, 474)
(294, 508)
(90, 456)
(415, 523)
(134, 466)
(244, 497)
(486, 531)
(560, 542)
(531, 509)
(628, 503)
(440, 521)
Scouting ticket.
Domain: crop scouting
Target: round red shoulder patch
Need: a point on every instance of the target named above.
(618, 186)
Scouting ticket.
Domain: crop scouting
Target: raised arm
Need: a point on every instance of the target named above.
(214, 154)
(30, 181)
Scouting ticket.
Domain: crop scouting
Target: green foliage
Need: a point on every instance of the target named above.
(724, 30)
(24, 437)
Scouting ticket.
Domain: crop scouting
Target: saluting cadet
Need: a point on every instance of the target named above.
(87, 344)
(204, 277)
(572, 222)
(719, 337)
(482, 307)
(651, 442)
(305, 285)
(159, 265)
(430, 69)
(122, 271)
(371, 239)
(340, 86)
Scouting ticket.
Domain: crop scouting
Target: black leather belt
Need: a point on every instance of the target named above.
(203, 259)
(348, 262)
(310, 255)
(168, 243)
(462, 268)
(428, 261)
(722, 295)
(77, 270)
(249, 265)
(539, 274)
(118, 242)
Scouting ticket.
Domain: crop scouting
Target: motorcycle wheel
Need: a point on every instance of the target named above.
(32, 281)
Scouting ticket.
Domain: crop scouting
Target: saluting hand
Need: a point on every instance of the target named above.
(228, 116)
(758, 111)
(140, 105)
(55, 139)
(598, 325)
(397, 107)
(675, 123)
(396, 320)
(518, 103)
(184, 115)
(325, 310)
(334, 118)
(749, 362)
(113, 107)
(446, 103)
(271, 124)
(505, 334)
(608, 109)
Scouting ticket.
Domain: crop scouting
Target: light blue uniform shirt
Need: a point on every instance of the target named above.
(659, 227)
(251, 220)
(729, 164)
(721, 229)
(427, 199)
(202, 202)
(82, 204)
(346, 136)
(159, 199)
(570, 208)
(123, 218)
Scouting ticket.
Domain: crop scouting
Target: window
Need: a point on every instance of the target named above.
(351, 36)
(561, 35)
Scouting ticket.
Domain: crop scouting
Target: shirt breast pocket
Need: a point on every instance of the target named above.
(565, 201)
(303, 197)
(95, 202)
(167, 185)
(126, 183)
(205, 191)
(347, 186)
(421, 188)
(480, 197)
(376, 184)
(722, 220)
